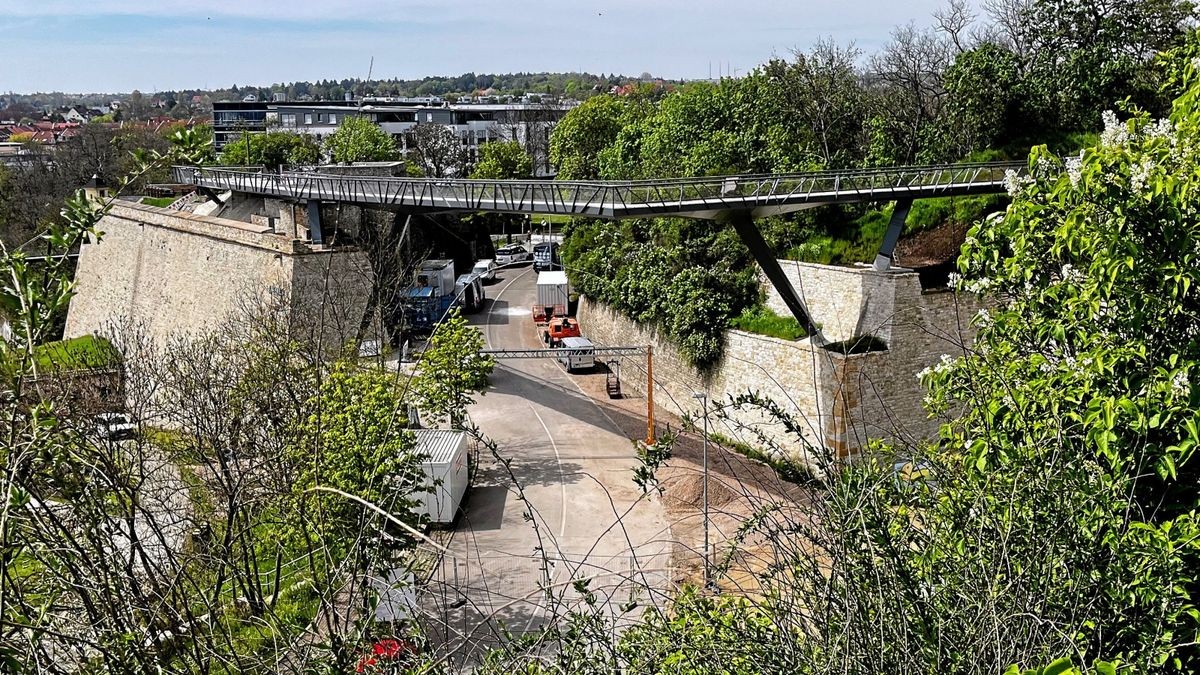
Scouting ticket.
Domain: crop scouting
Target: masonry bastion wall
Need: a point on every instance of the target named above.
(178, 274)
(839, 402)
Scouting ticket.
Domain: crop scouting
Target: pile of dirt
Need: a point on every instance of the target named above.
(687, 492)
(932, 247)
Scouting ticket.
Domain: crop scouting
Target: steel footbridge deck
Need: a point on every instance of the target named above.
(705, 198)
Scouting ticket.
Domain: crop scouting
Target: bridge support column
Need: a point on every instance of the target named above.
(883, 260)
(314, 221)
(747, 231)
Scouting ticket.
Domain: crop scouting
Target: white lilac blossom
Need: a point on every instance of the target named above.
(1180, 386)
(1074, 167)
(979, 286)
(982, 318)
(955, 280)
(1115, 132)
(943, 365)
(1013, 183)
(1071, 275)
(1139, 174)
(1044, 167)
(1163, 128)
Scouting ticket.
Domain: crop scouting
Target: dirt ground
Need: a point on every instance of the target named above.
(738, 489)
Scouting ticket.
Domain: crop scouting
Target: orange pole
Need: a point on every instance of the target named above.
(649, 395)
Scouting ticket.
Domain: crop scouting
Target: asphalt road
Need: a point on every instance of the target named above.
(557, 504)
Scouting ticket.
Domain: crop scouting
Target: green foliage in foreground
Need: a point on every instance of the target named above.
(764, 321)
(1053, 528)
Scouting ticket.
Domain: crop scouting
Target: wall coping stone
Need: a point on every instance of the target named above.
(224, 229)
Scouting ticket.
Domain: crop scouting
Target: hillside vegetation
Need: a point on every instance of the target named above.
(945, 94)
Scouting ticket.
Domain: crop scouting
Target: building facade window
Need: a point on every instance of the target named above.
(332, 118)
(308, 118)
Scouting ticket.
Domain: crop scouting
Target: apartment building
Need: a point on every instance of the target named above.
(475, 123)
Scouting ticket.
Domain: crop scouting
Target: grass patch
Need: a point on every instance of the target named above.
(929, 213)
(81, 353)
(160, 202)
(785, 469)
(762, 320)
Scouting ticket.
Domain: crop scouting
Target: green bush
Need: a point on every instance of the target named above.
(160, 202)
(762, 320)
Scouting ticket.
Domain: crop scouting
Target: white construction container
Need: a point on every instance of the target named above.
(553, 289)
(445, 464)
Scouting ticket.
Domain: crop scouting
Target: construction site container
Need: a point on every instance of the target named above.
(444, 453)
(553, 289)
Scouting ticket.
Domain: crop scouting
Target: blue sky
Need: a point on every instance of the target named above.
(120, 45)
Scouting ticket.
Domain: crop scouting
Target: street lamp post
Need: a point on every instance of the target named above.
(703, 398)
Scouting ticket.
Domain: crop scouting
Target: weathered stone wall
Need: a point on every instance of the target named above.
(840, 401)
(796, 375)
(176, 274)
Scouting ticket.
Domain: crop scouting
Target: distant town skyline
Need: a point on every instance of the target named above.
(122, 45)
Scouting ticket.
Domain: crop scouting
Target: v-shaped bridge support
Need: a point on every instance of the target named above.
(747, 231)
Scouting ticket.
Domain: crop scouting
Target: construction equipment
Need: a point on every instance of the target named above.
(560, 327)
(613, 380)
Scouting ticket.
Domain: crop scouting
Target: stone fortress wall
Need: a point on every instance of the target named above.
(839, 402)
(175, 273)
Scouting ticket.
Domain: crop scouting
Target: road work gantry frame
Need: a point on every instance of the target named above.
(554, 353)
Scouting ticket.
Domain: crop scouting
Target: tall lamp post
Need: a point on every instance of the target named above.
(703, 398)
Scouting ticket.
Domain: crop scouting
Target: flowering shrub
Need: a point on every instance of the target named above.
(388, 655)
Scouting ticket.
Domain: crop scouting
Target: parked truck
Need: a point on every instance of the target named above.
(432, 294)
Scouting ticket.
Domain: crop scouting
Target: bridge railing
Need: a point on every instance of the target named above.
(601, 197)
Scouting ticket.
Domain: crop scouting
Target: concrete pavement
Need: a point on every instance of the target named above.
(556, 503)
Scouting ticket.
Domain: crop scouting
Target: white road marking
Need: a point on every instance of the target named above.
(562, 477)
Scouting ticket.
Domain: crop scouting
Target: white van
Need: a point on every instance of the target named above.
(486, 269)
(578, 354)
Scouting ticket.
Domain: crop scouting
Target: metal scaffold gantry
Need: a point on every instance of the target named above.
(555, 353)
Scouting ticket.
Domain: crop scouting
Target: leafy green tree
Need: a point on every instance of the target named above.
(354, 440)
(984, 92)
(1083, 57)
(583, 133)
(358, 139)
(451, 371)
(503, 160)
(273, 149)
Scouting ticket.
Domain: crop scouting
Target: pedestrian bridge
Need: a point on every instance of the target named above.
(705, 198)
(733, 200)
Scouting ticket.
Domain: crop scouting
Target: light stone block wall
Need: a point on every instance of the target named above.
(840, 402)
(179, 274)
